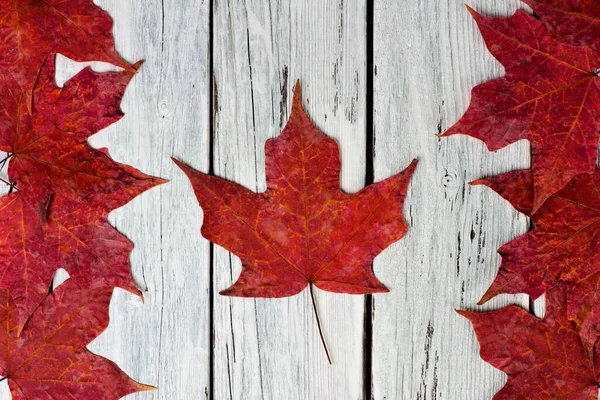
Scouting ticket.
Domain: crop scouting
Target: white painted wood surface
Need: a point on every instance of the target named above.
(427, 56)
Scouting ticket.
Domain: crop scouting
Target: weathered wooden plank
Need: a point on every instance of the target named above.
(164, 341)
(271, 348)
(428, 55)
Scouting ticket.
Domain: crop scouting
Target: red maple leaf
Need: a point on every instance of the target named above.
(575, 22)
(303, 230)
(563, 246)
(549, 95)
(66, 188)
(544, 359)
(76, 236)
(49, 359)
(48, 146)
(79, 239)
(34, 30)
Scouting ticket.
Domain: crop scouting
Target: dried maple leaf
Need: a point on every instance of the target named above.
(575, 22)
(49, 359)
(563, 246)
(303, 230)
(34, 30)
(66, 188)
(550, 95)
(80, 240)
(75, 236)
(48, 146)
(544, 359)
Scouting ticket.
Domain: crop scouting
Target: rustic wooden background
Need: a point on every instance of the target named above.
(382, 79)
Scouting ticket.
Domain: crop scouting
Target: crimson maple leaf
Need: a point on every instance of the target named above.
(66, 188)
(564, 244)
(549, 95)
(49, 359)
(48, 146)
(34, 30)
(79, 239)
(575, 22)
(303, 230)
(75, 236)
(544, 359)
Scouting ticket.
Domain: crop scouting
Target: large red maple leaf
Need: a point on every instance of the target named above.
(575, 22)
(79, 239)
(34, 30)
(544, 359)
(48, 146)
(303, 230)
(563, 246)
(49, 359)
(549, 95)
(66, 188)
(75, 236)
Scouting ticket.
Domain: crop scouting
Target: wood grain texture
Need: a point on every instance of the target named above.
(267, 348)
(428, 55)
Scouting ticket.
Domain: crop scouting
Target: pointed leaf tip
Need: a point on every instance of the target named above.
(413, 164)
(297, 100)
(476, 16)
(179, 163)
(137, 65)
(189, 171)
(478, 182)
(490, 294)
(146, 388)
(410, 169)
(138, 293)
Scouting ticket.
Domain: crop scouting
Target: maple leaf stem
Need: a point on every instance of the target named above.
(3, 379)
(12, 185)
(314, 303)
